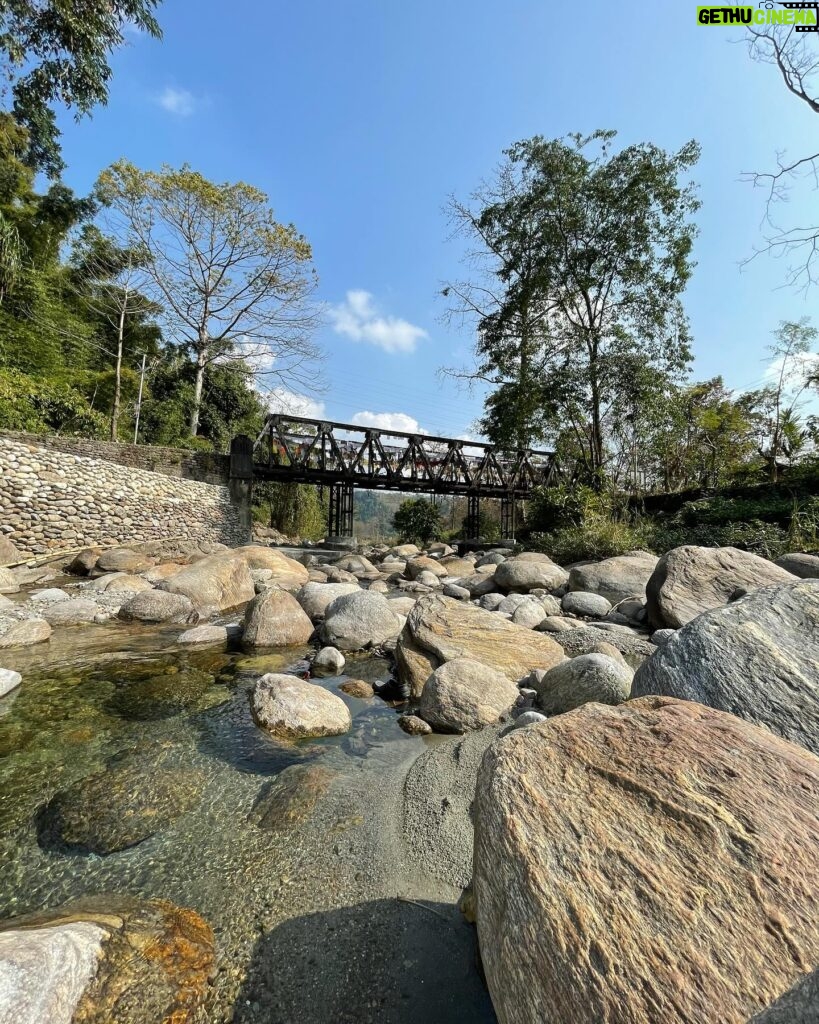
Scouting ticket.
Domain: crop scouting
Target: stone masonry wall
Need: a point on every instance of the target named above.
(52, 499)
(206, 467)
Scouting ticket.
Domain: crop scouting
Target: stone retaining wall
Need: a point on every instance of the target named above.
(206, 467)
(51, 499)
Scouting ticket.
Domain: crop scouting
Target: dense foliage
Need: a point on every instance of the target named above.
(418, 521)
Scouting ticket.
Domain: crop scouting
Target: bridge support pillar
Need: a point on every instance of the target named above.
(473, 516)
(240, 485)
(342, 505)
(508, 517)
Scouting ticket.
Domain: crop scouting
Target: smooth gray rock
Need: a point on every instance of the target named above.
(691, 580)
(805, 566)
(522, 574)
(74, 612)
(329, 659)
(354, 622)
(453, 590)
(660, 637)
(529, 614)
(291, 708)
(49, 596)
(756, 658)
(26, 633)
(276, 619)
(528, 718)
(491, 602)
(581, 680)
(580, 602)
(205, 634)
(316, 597)
(9, 583)
(615, 578)
(158, 606)
(9, 680)
(462, 695)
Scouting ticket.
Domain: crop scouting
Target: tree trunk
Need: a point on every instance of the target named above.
(201, 353)
(118, 375)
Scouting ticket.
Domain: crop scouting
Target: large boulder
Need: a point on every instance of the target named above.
(315, 597)
(690, 580)
(74, 612)
(458, 567)
(287, 572)
(133, 799)
(522, 574)
(276, 619)
(122, 560)
(441, 629)
(578, 602)
(423, 563)
(214, 584)
(354, 622)
(105, 959)
(9, 583)
(462, 695)
(158, 606)
(25, 633)
(82, 564)
(589, 677)
(806, 567)
(291, 708)
(9, 554)
(358, 565)
(615, 578)
(756, 658)
(650, 862)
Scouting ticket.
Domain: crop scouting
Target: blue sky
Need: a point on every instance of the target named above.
(359, 119)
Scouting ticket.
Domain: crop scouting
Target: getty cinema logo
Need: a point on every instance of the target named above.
(803, 17)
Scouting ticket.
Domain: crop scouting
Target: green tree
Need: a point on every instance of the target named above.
(234, 282)
(57, 53)
(791, 368)
(417, 521)
(589, 253)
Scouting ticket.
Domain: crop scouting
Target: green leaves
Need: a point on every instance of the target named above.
(57, 53)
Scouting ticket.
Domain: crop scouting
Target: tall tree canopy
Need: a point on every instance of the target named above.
(235, 284)
(57, 52)
(585, 254)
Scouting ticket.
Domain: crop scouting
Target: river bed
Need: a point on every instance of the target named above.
(319, 912)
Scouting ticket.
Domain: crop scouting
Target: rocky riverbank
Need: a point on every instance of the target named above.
(371, 708)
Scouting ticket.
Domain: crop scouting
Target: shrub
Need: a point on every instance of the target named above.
(418, 521)
(595, 540)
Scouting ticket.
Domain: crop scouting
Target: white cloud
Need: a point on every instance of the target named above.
(358, 318)
(294, 404)
(388, 421)
(803, 364)
(177, 101)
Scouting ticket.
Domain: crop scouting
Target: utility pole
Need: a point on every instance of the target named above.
(139, 399)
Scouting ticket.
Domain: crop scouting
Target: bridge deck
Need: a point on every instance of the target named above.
(313, 451)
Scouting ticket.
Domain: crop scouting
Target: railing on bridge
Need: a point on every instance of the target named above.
(344, 456)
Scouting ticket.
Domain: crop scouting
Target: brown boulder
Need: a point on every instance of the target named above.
(276, 619)
(105, 959)
(654, 862)
(213, 584)
(441, 629)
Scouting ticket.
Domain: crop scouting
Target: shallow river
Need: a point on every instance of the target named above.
(116, 731)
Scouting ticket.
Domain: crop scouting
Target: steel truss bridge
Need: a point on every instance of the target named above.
(342, 456)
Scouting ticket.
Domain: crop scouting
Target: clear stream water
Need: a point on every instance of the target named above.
(105, 711)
